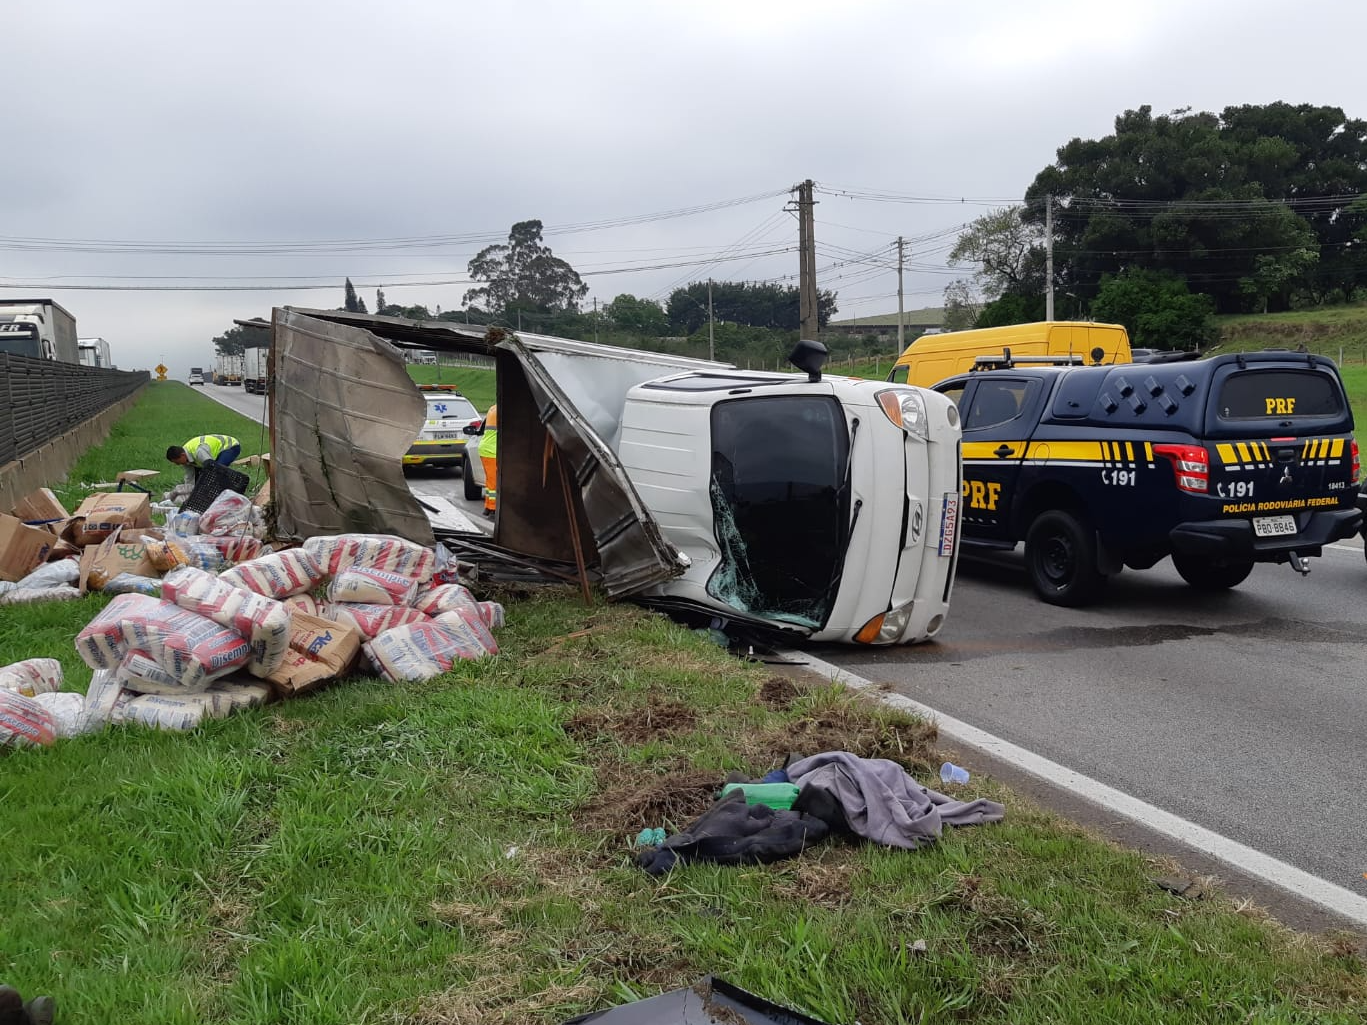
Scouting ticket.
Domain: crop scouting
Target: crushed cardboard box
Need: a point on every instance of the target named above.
(41, 506)
(101, 515)
(101, 563)
(320, 650)
(22, 548)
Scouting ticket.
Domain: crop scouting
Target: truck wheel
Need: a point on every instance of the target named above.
(1212, 574)
(1060, 556)
(472, 489)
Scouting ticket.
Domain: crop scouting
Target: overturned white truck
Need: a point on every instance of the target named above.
(799, 505)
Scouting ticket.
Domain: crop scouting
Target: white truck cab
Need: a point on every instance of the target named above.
(826, 504)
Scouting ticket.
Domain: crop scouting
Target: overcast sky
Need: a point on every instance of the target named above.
(280, 125)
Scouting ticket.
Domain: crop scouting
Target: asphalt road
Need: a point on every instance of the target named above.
(1244, 712)
(421, 480)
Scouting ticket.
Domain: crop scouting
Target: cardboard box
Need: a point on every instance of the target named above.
(22, 548)
(103, 562)
(320, 650)
(41, 506)
(101, 515)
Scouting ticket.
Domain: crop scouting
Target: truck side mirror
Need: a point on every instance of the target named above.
(809, 357)
(474, 428)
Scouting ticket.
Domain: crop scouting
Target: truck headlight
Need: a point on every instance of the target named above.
(906, 409)
(886, 627)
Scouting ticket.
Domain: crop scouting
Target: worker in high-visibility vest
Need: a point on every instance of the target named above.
(488, 455)
(199, 451)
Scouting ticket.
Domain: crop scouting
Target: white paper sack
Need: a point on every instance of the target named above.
(338, 552)
(422, 650)
(444, 598)
(140, 673)
(372, 620)
(278, 575)
(227, 513)
(169, 713)
(471, 633)
(237, 694)
(305, 603)
(32, 676)
(32, 595)
(101, 644)
(264, 621)
(24, 722)
(492, 614)
(68, 713)
(52, 574)
(372, 586)
(101, 697)
(188, 646)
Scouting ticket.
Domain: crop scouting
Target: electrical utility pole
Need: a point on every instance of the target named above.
(901, 330)
(1048, 257)
(806, 244)
(711, 348)
(595, 321)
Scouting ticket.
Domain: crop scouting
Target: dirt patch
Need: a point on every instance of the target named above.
(851, 726)
(627, 801)
(824, 883)
(634, 725)
(778, 693)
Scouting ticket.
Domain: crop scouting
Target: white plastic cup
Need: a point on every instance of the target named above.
(951, 773)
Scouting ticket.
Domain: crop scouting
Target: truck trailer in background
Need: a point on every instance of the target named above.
(95, 353)
(228, 369)
(256, 368)
(39, 328)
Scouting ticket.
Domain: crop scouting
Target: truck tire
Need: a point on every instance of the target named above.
(1060, 556)
(1212, 574)
(473, 491)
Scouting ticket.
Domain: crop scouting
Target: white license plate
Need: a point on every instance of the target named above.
(1274, 526)
(445, 435)
(949, 522)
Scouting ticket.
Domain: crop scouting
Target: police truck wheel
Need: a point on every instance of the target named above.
(1212, 574)
(1060, 556)
(472, 489)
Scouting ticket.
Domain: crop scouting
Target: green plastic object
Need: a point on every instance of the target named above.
(779, 796)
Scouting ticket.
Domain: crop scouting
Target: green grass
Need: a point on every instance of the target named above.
(475, 383)
(167, 413)
(458, 851)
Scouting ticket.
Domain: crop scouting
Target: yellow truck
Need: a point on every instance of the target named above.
(932, 358)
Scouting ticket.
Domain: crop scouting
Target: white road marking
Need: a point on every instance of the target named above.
(1312, 888)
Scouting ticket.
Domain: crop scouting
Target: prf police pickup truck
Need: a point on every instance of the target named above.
(1219, 463)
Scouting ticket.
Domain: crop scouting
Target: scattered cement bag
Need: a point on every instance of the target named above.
(169, 712)
(24, 722)
(305, 603)
(53, 574)
(102, 698)
(32, 676)
(444, 598)
(371, 620)
(231, 695)
(492, 614)
(420, 651)
(470, 631)
(338, 552)
(264, 621)
(372, 587)
(228, 513)
(131, 583)
(140, 673)
(278, 575)
(68, 712)
(101, 644)
(32, 595)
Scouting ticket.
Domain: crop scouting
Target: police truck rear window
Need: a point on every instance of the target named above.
(1278, 394)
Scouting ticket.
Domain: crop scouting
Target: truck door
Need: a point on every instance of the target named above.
(997, 411)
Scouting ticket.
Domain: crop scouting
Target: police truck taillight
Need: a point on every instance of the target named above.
(1357, 465)
(1190, 466)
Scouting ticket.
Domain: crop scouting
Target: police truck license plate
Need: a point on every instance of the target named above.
(1274, 526)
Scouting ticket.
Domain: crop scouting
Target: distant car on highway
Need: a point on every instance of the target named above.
(441, 442)
(196, 377)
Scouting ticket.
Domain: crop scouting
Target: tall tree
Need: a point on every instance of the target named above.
(1157, 309)
(525, 275)
(961, 305)
(351, 304)
(237, 338)
(758, 305)
(379, 300)
(643, 316)
(1007, 250)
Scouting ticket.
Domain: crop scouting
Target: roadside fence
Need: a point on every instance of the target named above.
(41, 399)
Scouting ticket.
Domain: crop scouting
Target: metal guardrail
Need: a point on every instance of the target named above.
(41, 399)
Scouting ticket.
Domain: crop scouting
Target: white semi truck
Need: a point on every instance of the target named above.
(95, 352)
(256, 368)
(39, 328)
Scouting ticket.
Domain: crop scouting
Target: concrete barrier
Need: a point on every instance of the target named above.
(50, 464)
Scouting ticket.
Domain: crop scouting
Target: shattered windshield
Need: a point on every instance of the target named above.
(780, 512)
